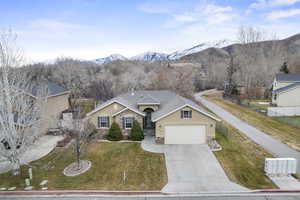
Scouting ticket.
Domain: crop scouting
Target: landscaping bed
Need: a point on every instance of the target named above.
(282, 131)
(115, 166)
(242, 159)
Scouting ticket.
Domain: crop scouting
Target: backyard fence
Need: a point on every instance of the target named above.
(283, 111)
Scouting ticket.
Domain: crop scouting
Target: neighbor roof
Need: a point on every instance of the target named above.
(288, 77)
(168, 102)
(286, 88)
(53, 89)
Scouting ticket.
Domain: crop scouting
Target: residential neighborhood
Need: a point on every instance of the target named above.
(149, 99)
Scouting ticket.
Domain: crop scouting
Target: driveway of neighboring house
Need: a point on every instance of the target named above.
(192, 169)
(266, 141)
(39, 149)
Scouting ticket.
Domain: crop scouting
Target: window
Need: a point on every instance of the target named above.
(103, 122)
(186, 114)
(128, 121)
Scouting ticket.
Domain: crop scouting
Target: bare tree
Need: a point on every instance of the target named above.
(19, 109)
(250, 50)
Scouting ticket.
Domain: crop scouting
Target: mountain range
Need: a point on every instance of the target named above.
(156, 56)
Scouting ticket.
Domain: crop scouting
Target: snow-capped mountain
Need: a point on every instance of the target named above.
(217, 44)
(110, 59)
(150, 57)
(154, 56)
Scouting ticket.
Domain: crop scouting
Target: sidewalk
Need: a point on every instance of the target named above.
(43, 146)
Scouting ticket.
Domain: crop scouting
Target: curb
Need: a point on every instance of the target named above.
(67, 192)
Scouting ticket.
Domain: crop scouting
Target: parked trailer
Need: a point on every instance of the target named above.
(280, 166)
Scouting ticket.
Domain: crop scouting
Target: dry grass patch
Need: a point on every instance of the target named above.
(143, 170)
(284, 132)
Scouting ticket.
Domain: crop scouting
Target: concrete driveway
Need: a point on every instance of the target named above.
(193, 169)
(266, 141)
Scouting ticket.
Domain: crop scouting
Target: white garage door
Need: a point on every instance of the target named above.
(185, 134)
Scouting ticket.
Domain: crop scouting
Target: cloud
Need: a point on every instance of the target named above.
(263, 4)
(207, 13)
(280, 14)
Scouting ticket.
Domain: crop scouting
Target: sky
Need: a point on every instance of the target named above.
(90, 29)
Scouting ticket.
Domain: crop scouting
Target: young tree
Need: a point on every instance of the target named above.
(19, 110)
(114, 133)
(136, 133)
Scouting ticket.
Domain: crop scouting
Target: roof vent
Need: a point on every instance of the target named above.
(132, 91)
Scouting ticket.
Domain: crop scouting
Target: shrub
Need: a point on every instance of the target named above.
(136, 133)
(114, 133)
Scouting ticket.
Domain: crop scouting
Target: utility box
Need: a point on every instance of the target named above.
(280, 166)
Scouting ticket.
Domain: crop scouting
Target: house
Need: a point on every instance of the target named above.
(286, 90)
(170, 118)
(57, 101)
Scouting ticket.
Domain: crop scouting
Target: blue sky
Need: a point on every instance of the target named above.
(89, 29)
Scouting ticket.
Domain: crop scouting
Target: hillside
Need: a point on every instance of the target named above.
(262, 59)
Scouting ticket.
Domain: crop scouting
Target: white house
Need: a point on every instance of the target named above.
(286, 90)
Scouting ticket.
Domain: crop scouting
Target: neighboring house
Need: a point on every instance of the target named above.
(286, 90)
(57, 102)
(173, 119)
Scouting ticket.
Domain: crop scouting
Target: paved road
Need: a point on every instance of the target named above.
(268, 142)
(194, 168)
(163, 197)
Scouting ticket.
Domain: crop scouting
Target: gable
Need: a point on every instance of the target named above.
(197, 117)
(195, 110)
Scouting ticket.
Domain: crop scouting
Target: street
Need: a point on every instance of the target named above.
(241, 196)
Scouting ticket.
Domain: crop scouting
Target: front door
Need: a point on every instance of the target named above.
(148, 123)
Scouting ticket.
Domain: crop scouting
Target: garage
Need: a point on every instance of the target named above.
(190, 134)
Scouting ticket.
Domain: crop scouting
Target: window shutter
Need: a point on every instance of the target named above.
(123, 122)
(108, 125)
(190, 114)
(181, 114)
(98, 122)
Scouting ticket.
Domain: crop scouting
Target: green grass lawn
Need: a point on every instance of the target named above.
(242, 159)
(292, 121)
(282, 131)
(144, 170)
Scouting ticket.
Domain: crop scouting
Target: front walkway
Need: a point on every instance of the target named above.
(43, 146)
(192, 169)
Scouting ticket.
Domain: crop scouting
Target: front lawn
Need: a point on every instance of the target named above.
(282, 131)
(242, 159)
(110, 162)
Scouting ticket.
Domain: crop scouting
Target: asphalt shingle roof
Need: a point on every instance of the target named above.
(168, 101)
(288, 77)
(53, 89)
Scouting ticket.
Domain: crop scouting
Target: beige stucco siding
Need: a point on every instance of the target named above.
(110, 111)
(289, 98)
(51, 111)
(107, 111)
(128, 113)
(143, 107)
(175, 119)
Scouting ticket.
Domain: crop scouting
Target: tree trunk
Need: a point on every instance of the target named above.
(16, 167)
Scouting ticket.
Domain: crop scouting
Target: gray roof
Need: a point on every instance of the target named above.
(168, 102)
(283, 89)
(288, 77)
(53, 89)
